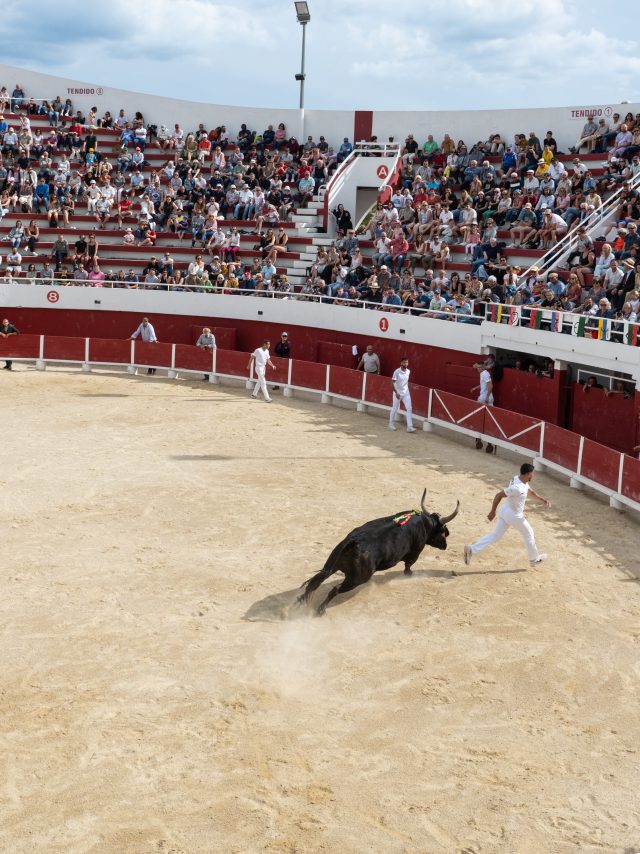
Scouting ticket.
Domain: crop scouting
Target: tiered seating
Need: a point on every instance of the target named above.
(114, 255)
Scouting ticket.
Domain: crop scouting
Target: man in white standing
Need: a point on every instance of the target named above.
(147, 333)
(261, 359)
(485, 396)
(206, 341)
(400, 380)
(511, 514)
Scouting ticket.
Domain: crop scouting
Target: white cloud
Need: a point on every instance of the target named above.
(365, 53)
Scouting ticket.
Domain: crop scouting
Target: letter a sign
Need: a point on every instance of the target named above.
(382, 172)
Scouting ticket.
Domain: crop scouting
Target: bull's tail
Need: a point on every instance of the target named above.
(328, 570)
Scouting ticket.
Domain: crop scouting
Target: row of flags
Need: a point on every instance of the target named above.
(599, 327)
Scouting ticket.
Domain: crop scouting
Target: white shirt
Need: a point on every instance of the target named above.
(262, 357)
(485, 379)
(206, 340)
(516, 494)
(400, 381)
(146, 333)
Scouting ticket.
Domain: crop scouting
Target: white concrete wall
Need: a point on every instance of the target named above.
(156, 109)
(462, 337)
(470, 125)
(473, 125)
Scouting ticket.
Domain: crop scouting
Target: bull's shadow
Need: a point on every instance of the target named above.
(280, 607)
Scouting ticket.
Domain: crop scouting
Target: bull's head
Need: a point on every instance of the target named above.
(437, 531)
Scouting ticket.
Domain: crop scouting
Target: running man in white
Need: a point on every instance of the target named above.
(511, 514)
(400, 380)
(261, 359)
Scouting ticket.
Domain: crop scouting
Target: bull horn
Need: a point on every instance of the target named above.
(424, 509)
(446, 519)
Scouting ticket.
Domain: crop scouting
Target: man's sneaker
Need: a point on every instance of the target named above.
(411, 429)
(540, 559)
(392, 427)
(268, 400)
(467, 555)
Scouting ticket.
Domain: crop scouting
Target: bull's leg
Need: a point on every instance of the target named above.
(347, 584)
(410, 559)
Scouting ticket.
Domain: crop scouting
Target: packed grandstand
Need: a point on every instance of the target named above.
(112, 201)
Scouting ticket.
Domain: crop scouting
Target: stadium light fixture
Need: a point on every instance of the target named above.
(302, 11)
(303, 16)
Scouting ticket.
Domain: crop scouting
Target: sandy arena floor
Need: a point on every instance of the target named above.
(159, 694)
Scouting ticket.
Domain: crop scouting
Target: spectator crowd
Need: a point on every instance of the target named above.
(451, 206)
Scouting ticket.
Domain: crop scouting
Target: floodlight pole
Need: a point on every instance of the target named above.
(304, 33)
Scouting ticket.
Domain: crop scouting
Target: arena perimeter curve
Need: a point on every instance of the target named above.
(160, 694)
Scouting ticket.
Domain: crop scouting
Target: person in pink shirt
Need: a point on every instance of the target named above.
(96, 276)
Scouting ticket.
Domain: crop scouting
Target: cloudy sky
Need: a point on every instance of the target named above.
(367, 54)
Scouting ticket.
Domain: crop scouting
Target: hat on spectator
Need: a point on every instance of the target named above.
(534, 269)
(541, 160)
(528, 205)
(529, 170)
(629, 262)
(384, 267)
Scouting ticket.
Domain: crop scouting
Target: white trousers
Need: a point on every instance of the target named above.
(406, 399)
(261, 384)
(486, 399)
(506, 521)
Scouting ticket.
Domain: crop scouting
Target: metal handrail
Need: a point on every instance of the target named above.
(364, 149)
(228, 290)
(554, 256)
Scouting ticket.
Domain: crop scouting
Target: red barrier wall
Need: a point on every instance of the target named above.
(225, 337)
(110, 352)
(193, 359)
(460, 379)
(419, 399)
(64, 349)
(428, 364)
(455, 409)
(538, 397)
(309, 375)
(379, 389)
(20, 346)
(600, 464)
(158, 355)
(331, 353)
(561, 446)
(509, 426)
(345, 381)
(631, 479)
(233, 363)
(610, 420)
(281, 373)
(617, 425)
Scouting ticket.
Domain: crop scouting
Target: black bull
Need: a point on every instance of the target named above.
(379, 545)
